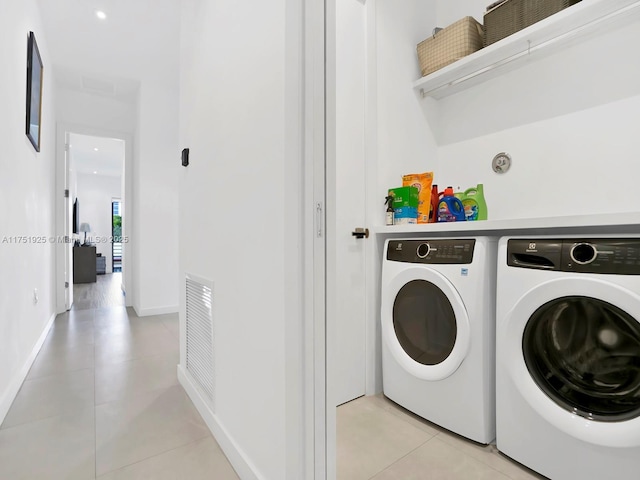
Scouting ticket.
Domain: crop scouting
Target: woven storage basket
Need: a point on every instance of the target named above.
(450, 44)
(512, 16)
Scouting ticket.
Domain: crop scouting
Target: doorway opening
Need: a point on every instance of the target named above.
(94, 172)
(116, 236)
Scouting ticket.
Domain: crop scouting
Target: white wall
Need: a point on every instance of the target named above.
(95, 193)
(404, 142)
(150, 219)
(568, 120)
(155, 195)
(98, 112)
(449, 12)
(26, 196)
(240, 201)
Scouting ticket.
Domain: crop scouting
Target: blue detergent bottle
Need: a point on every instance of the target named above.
(450, 208)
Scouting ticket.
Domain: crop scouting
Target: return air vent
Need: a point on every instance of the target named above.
(200, 334)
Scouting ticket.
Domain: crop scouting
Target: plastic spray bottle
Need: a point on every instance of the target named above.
(390, 212)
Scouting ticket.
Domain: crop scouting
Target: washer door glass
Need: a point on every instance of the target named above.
(424, 322)
(584, 353)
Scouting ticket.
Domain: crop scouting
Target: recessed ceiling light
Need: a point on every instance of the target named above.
(95, 172)
(101, 15)
(96, 149)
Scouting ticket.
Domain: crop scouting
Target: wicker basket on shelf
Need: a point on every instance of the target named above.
(504, 18)
(450, 44)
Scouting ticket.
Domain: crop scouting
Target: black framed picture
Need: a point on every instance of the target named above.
(34, 92)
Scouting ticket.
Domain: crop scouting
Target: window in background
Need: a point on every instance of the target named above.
(116, 231)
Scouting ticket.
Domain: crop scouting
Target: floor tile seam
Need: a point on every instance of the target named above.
(130, 360)
(103, 365)
(472, 456)
(62, 372)
(135, 395)
(408, 418)
(86, 405)
(189, 442)
(403, 456)
(49, 417)
(494, 453)
(402, 416)
(56, 374)
(518, 465)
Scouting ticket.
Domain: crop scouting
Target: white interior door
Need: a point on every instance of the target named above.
(349, 203)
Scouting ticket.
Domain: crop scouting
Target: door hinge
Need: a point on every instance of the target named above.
(66, 193)
(319, 219)
(66, 147)
(66, 284)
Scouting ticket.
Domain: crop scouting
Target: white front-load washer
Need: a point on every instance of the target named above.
(438, 331)
(568, 355)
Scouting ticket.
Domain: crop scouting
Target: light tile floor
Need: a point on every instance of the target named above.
(380, 440)
(102, 401)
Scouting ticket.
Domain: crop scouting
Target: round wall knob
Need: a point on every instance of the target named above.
(501, 162)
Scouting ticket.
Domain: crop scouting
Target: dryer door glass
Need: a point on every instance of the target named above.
(424, 322)
(584, 353)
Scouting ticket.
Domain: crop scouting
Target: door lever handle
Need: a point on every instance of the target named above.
(361, 232)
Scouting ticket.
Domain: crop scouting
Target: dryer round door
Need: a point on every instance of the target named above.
(573, 350)
(425, 323)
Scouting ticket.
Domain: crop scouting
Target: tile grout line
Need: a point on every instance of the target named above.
(404, 417)
(156, 455)
(403, 456)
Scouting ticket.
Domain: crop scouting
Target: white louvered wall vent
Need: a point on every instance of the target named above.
(200, 334)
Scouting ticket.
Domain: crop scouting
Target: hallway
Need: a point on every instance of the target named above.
(102, 400)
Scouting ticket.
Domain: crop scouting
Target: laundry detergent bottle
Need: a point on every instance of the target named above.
(474, 197)
(433, 208)
(450, 208)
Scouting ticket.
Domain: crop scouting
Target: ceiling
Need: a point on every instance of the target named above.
(138, 41)
(108, 159)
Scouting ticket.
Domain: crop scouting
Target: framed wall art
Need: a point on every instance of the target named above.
(34, 92)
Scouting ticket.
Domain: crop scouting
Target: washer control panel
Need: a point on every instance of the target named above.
(620, 256)
(436, 251)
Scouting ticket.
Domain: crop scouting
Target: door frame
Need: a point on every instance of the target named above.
(62, 250)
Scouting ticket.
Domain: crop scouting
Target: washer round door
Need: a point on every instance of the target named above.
(425, 324)
(576, 346)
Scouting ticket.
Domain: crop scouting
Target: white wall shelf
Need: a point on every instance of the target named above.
(587, 18)
(581, 224)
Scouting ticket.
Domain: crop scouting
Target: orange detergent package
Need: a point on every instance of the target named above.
(422, 181)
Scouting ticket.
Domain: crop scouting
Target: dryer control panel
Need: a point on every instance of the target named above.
(620, 256)
(436, 252)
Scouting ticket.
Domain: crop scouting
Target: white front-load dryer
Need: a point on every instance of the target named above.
(438, 331)
(568, 355)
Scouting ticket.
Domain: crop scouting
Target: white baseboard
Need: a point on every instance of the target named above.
(145, 312)
(9, 395)
(238, 459)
